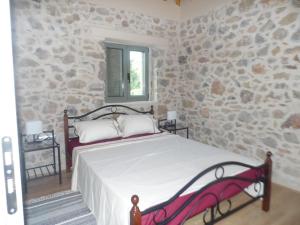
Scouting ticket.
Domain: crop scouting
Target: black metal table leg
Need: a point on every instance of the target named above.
(53, 152)
(59, 166)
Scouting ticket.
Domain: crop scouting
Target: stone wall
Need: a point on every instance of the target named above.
(240, 81)
(60, 59)
(232, 74)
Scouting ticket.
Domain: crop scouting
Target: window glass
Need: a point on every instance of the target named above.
(137, 73)
(115, 86)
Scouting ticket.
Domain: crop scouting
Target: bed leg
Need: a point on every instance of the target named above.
(68, 167)
(268, 183)
(152, 110)
(135, 213)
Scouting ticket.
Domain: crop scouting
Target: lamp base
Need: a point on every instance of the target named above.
(31, 139)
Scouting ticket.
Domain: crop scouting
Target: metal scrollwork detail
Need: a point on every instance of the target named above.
(155, 221)
(219, 175)
(114, 109)
(205, 221)
(222, 206)
(222, 213)
(257, 187)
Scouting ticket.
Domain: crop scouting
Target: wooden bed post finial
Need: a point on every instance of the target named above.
(268, 182)
(269, 155)
(135, 213)
(152, 110)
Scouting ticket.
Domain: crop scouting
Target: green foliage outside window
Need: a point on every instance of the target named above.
(135, 82)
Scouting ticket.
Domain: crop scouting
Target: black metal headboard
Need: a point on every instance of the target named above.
(108, 111)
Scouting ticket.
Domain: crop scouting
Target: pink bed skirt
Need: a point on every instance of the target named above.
(202, 201)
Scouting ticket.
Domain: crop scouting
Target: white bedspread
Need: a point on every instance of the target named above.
(153, 167)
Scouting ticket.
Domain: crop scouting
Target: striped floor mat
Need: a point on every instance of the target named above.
(65, 208)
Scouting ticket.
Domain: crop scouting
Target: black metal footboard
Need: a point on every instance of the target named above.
(213, 199)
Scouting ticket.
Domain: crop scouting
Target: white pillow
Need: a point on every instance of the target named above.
(96, 130)
(137, 124)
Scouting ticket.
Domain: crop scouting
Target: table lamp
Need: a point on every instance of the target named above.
(32, 129)
(171, 116)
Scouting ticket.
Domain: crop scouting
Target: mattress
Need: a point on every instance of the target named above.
(153, 167)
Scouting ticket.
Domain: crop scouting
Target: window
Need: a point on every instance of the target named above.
(127, 76)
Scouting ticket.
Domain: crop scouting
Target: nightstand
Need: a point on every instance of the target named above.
(48, 143)
(171, 126)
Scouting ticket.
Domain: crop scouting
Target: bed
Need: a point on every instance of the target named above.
(169, 179)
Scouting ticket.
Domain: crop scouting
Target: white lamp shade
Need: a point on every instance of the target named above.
(33, 127)
(171, 115)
